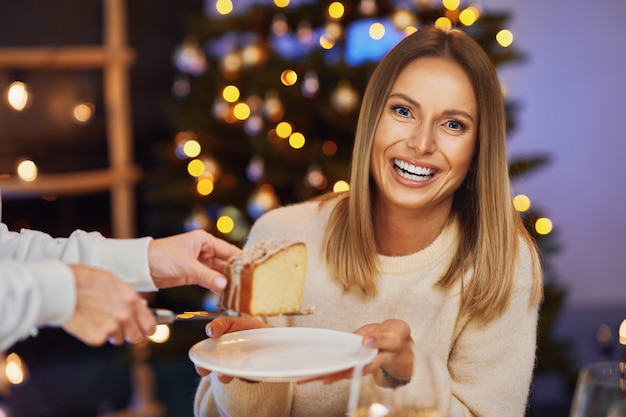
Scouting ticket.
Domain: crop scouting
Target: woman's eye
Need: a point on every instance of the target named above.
(455, 125)
(402, 111)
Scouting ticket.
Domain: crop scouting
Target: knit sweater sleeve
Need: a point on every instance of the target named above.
(491, 365)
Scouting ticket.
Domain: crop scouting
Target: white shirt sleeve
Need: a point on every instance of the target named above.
(36, 285)
(33, 294)
(126, 258)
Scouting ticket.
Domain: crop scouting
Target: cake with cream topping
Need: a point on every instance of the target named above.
(266, 279)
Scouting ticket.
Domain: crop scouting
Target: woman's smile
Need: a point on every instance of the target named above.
(412, 172)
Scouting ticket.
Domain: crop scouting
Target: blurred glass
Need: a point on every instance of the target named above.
(368, 399)
(601, 387)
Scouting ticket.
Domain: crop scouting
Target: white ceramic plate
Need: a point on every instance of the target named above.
(281, 354)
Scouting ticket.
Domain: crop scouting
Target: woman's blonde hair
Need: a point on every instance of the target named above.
(489, 225)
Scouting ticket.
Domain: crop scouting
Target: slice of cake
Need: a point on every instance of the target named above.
(266, 279)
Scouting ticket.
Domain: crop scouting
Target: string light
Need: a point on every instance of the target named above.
(297, 140)
(443, 23)
(521, 203)
(192, 148)
(336, 10)
(504, 38)
(225, 224)
(451, 4)
(340, 186)
(15, 369)
(288, 77)
(377, 31)
(161, 335)
(329, 147)
(18, 96)
(195, 167)
(83, 112)
(543, 226)
(205, 186)
(224, 7)
(230, 93)
(284, 129)
(326, 41)
(27, 170)
(469, 16)
(241, 111)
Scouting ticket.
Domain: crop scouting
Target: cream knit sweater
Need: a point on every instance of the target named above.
(478, 370)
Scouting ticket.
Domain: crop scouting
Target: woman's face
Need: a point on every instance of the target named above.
(426, 136)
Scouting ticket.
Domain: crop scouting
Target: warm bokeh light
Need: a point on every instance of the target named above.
(409, 30)
(231, 93)
(336, 10)
(288, 77)
(326, 41)
(284, 129)
(225, 224)
(377, 31)
(281, 3)
(183, 136)
(329, 148)
(403, 18)
(443, 23)
(205, 186)
(451, 4)
(504, 38)
(543, 225)
(27, 170)
(14, 369)
(296, 140)
(469, 16)
(161, 335)
(83, 112)
(622, 333)
(224, 7)
(17, 95)
(241, 111)
(315, 178)
(340, 186)
(192, 148)
(195, 168)
(521, 202)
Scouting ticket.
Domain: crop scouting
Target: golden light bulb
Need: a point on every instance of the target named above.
(504, 38)
(225, 224)
(377, 31)
(288, 77)
(340, 186)
(297, 140)
(27, 170)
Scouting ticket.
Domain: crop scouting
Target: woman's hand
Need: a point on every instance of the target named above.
(223, 325)
(395, 345)
(192, 258)
(107, 309)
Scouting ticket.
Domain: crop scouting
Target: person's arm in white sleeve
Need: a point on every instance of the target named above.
(27, 302)
(91, 304)
(126, 258)
(192, 258)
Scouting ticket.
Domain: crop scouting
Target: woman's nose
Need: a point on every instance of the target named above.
(422, 139)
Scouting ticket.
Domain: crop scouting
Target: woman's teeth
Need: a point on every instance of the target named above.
(412, 172)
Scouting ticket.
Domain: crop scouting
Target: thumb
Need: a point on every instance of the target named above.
(207, 277)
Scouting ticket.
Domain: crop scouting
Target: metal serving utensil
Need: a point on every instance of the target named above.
(166, 316)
